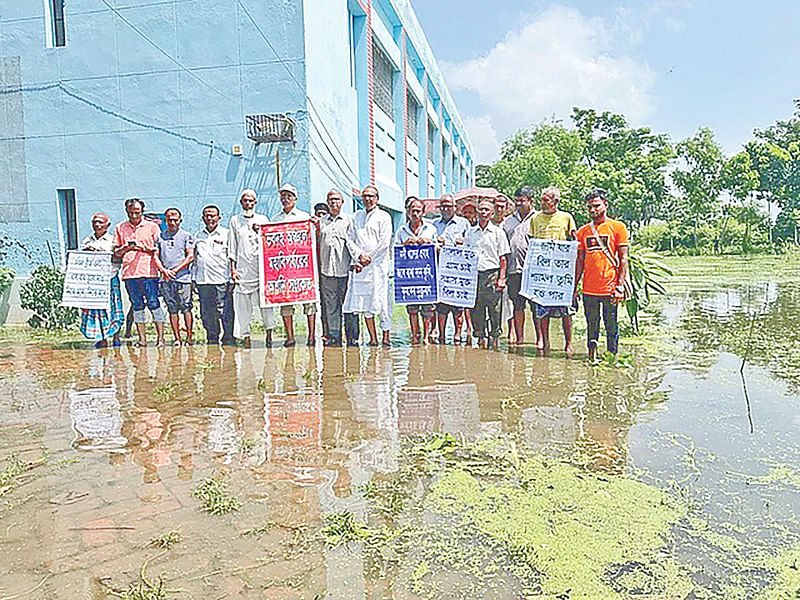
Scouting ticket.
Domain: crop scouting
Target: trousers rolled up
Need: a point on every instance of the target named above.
(333, 291)
(592, 307)
(243, 305)
(216, 311)
(486, 315)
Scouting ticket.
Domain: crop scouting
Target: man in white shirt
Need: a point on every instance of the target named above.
(370, 235)
(335, 260)
(243, 248)
(292, 214)
(212, 278)
(491, 244)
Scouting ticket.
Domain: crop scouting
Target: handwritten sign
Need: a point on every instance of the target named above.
(458, 276)
(288, 263)
(87, 283)
(415, 274)
(548, 277)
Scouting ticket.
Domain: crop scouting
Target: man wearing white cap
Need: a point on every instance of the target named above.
(243, 248)
(292, 214)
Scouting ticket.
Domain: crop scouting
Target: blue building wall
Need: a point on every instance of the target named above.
(148, 99)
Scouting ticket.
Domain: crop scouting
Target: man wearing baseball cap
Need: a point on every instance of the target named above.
(292, 214)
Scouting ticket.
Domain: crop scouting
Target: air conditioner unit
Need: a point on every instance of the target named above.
(270, 128)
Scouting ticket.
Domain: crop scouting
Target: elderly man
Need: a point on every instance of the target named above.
(415, 232)
(136, 243)
(212, 278)
(450, 231)
(335, 260)
(516, 227)
(243, 248)
(491, 245)
(291, 214)
(553, 224)
(370, 240)
(603, 264)
(176, 253)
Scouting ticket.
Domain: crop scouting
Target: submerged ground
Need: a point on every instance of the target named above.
(441, 472)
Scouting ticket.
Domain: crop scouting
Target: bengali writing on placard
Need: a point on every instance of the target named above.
(458, 276)
(548, 276)
(288, 264)
(415, 274)
(87, 282)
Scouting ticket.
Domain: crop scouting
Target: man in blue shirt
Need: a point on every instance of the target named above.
(176, 253)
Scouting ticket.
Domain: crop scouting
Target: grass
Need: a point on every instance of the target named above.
(165, 540)
(215, 498)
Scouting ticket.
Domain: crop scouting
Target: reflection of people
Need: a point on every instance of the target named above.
(243, 248)
(292, 214)
(603, 264)
(335, 260)
(99, 324)
(491, 245)
(413, 233)
(370, 236)
(450, 231)
(136, 242)
(212, 278)
(553, 224)
(176, 253)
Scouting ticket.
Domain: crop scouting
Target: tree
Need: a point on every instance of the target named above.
(699, 177)
(740, 179)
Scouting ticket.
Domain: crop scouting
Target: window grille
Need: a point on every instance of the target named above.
(431, 134)
(270, 128)
(412, 110)
(57, 24)
(382, 70)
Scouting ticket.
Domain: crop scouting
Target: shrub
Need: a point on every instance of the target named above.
(42, 294)
(6, 278)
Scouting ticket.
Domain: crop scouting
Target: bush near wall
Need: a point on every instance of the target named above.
(6, 278)
(41, 293)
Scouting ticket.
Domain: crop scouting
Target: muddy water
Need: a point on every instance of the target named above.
(115, 442)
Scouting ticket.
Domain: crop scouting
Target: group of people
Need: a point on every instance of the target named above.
(355, 262)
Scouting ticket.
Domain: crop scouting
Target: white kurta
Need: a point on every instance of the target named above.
(243, 247)
(368, 291)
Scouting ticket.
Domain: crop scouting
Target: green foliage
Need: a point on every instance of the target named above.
(6, 278)
(41, 293)
(215, 497)
(166, 540)
(648, 276)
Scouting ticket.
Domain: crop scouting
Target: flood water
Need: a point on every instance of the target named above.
(115, 442)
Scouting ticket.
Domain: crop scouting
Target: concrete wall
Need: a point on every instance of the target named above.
(146, 99)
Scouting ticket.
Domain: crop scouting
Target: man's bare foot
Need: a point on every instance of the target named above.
(268, 339)
(569, 351)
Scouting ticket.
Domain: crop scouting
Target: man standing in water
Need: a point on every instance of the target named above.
(553, 224)
(212, 278)
(491, 245)
(176, 252)
(335, 260)
(516, 227)
(603, 264)
(370, 240)
(450, 231)
(243, 248)
(292, 214)
(136, 242)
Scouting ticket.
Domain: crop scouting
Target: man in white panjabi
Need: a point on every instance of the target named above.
(370, 236)
(243, 249)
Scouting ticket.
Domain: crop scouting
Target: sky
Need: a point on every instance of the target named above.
(671, 65)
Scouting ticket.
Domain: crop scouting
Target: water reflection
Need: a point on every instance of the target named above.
(298, 432)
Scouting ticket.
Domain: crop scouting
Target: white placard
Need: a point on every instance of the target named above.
(87, 283)
(548, 277)
(458, 276)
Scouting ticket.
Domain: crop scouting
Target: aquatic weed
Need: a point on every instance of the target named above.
(215, 497)
(14, 468)
(165, 540)
(343, 528)
(165, 390)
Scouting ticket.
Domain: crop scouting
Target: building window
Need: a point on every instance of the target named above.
(431, 135)
(382, 71)
(56, 32)
(69, 217)
(412, 108)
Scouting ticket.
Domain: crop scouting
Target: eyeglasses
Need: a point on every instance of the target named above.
(369, 195)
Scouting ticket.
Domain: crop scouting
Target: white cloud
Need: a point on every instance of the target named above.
(484, 139)
(559, 59)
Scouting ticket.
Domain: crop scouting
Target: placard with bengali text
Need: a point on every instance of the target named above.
(87, 283)
(458, 276)
(548, 277)
(415, 274)
(288, 264)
